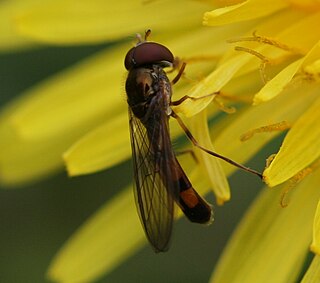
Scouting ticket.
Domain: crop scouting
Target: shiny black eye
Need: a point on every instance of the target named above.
(148, 53)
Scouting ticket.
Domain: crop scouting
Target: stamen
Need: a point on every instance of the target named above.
(268, 41)
(292, 184)
(281, 126)
(296, 179)
(264, 59)
(219, 103)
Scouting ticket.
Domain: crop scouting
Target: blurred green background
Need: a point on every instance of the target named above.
(37, 219)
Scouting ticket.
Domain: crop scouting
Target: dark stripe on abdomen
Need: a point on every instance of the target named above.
(195, 208)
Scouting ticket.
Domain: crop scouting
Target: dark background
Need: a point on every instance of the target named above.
(37, 219)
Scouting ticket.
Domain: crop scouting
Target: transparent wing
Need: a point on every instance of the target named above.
(154, 192)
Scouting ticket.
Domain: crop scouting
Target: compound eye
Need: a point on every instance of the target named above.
(148, 53)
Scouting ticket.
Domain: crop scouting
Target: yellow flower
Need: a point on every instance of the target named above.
(275, 64)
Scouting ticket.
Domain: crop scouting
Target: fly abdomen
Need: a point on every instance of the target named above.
(195, 208)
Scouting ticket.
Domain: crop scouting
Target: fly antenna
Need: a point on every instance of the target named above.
(147, 34)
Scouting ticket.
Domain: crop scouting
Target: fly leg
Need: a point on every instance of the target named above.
(183, 98)
(180, 73)
(195, 143)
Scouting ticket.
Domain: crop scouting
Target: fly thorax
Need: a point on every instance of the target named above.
(139, 88)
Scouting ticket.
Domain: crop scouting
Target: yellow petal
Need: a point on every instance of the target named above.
(272, 26)
(244, 11)
(91, 21)
(21, 161)
(9, 39)
(313, 68)
(102, 148)
(211, 43)
(306, 5)
(228, 141)
(73, 98)
(268, 231)
(289, 35)
(106, 239)
(315, 245)
(278, 29)
(313, 273)
(299, 149)
(278, 83)
(210, 165)
(209, 85)
(241, 63)
(45, 121)
(281, 80)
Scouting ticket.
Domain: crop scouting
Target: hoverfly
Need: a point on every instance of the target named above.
(159, 179)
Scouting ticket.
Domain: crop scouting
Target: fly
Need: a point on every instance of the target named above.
(159, 179)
